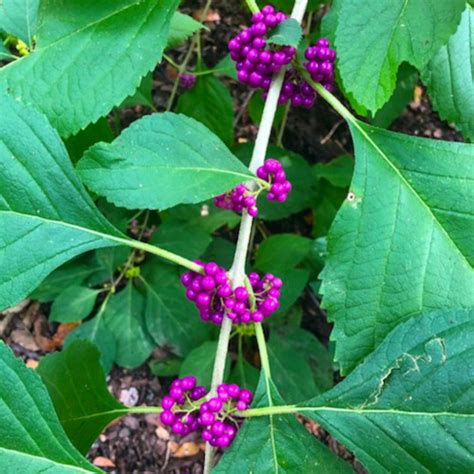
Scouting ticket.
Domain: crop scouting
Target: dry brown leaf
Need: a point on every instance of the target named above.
(212, 15)
(184, 450)
(25, 339)
(49, 344)
(162, 433)
(101, 461)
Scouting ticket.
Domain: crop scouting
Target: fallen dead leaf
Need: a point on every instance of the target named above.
(25, 339)
(101, 461)
(162, 433)
(184, 450)
(49, 344)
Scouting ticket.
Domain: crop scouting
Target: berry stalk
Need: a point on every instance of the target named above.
(237, 271)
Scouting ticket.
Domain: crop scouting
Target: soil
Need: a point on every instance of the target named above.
(139, 444)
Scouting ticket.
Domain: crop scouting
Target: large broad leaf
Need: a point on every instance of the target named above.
(31, 437)
(210, 102)
(277, 444)
(76, 383)
(449, 77)
(402, 242)
(46, 216)
(410, 406)
(124, 317)
(374, 37)
(90, 59)
(173, 235)
(19, 18)
(159, 161)
(170, 318)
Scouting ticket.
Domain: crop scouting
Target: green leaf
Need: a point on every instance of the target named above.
(295, 281)
(287, 33)
(222, 251)
(226, 66)
(31, 437)
(325, 208)
(47, 211)
(170, 318)
(174, 235)
(159, 161)
(96, 332)
(210, 103)
(297, 170)
(72, 273)
(76, 383)
(5, 54)
(200, 363)
(82, 49)
(282, 252)
(291, 373)
(255, 109)
(448, 77)
(413, 395)
(166, 368)
(205, 215)
(244, 374)
(276, 444)
(338, 171)
(124, 317)
(77, 144)
(142, 95)
(403, 94)
(408, 213)
(181, 28)
(374, 38)
(313, 352)
(73, 304)
(19, 18)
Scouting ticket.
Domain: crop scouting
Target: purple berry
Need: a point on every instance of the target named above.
(167, 418)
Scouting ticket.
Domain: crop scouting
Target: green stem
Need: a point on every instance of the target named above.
(145, 409)
(237, 272)
(329, 98)
(262, 348)
(281, 131)
(252, 6)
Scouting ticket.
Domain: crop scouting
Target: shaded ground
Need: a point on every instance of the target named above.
(139, 444)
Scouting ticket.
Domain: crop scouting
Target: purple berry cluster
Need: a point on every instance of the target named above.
(255, 63)
(237, 200)
(210, 291)
(320, 64)
(240, 198)
(218, 416)
(272, 172)
(266, 294)
(214, 297)
(183, 391)
(187, 80)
